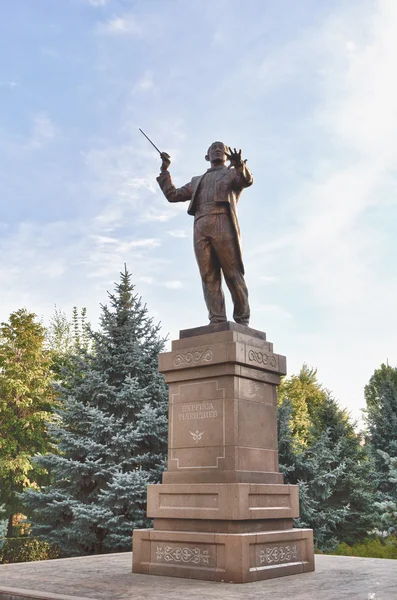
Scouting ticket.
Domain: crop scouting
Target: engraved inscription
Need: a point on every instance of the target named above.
(195, 408)
(196, 357)
(262, 358)
(199, 410)
(278, 554)
(197, 435)
(182, 555)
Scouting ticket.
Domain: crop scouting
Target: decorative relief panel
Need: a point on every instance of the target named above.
(262, 358)
(197, 425)
(193, 358)
(179, 554)
(279, 554)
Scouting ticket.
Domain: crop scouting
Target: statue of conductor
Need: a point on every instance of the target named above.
(213, 202)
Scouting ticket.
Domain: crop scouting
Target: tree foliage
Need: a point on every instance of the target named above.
(306, 398)
(65, 337)
(327, 460)
(26, 400)
(25, 549)
(387, 500)
(111, 434)
(381, 419)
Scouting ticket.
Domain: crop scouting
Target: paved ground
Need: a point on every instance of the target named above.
(109, 577)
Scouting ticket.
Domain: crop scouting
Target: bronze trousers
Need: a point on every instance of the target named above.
(216, 250)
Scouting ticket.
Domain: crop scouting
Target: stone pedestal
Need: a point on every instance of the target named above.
(222, 512)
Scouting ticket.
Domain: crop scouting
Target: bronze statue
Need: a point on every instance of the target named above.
(213, 201)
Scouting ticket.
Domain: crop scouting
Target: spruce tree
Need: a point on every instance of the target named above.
(381, 419)
(332, 468)
(387, 501)
(111, 434)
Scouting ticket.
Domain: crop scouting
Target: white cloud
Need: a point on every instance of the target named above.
(119, 26)
(336, 243)
(98, 2)
(124, 187)
(329, 242)
(273, 310)
(178, 233)
(39, 256)
(149, 243)
(156, 215)
(69, 264)
(335, 252)
(173, 285)
(10, 84)
(145, 84)
(102, 241)
(49, 52)
(43, 131)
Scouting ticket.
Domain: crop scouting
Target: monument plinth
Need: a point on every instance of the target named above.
(222, 512)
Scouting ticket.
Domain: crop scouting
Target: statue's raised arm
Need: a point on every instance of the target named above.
(164, 180)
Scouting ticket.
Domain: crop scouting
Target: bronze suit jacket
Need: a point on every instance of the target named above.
(228, 187)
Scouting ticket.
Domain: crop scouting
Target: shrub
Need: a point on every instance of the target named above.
(343, 550)
(25, 549)
(371, 548)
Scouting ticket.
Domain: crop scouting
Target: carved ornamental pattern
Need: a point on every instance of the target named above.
(278, 554)
(182, 555)
(268, 360)
(193, 358)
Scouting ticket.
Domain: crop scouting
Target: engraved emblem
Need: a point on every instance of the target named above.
(191, 358)
(278, 554)
(183, 555)
(262, 358)
(197, 435)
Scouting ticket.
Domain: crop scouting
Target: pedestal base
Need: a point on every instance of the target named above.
(223, 512)
(237, 558)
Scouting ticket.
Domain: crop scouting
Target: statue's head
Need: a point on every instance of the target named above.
(216, 153)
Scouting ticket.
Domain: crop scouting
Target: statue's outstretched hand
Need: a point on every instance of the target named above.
(166, 161)
(235, 158)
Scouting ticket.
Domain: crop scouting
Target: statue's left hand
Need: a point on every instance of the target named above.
(234, 157)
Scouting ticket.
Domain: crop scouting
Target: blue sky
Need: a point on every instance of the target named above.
(307, 90)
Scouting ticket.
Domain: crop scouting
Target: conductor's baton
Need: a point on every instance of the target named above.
(154, 145)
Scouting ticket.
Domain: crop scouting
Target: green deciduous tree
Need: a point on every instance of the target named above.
(26, 399)
(306, 397)
(111, 434)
